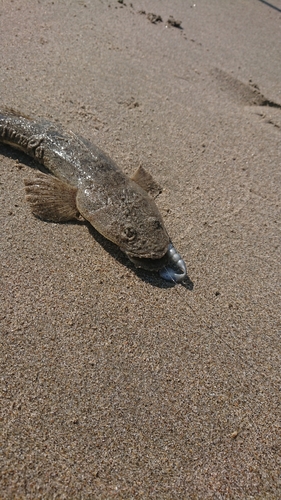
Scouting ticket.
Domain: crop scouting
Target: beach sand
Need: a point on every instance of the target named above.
(114, 383)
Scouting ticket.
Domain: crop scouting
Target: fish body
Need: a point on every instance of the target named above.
(86, 181)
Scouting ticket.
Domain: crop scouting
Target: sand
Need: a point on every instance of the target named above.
(114, 383)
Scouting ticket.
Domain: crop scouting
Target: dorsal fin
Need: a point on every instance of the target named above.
(145, 180)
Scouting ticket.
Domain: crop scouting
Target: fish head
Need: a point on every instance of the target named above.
(144, 239)
(129, 217)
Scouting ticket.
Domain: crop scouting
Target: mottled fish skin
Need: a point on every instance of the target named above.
(114, 204)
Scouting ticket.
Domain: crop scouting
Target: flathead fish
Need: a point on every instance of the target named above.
(84, 180)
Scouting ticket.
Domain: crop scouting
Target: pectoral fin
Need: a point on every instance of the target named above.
(145, 180)
(51, 199)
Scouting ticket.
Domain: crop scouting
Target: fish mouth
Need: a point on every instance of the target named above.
(150, 264)
(171, 266)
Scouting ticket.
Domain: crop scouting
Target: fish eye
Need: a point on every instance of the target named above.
(129, 233)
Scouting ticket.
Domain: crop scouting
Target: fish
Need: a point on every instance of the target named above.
(83, 180)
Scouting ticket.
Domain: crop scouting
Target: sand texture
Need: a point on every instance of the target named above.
(114, 383)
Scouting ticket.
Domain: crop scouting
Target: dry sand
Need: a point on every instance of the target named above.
(114, 383)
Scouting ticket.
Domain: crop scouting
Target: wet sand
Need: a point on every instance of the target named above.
(115, 384)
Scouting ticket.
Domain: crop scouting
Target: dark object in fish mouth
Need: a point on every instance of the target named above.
(167, 266)
(150, 264)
